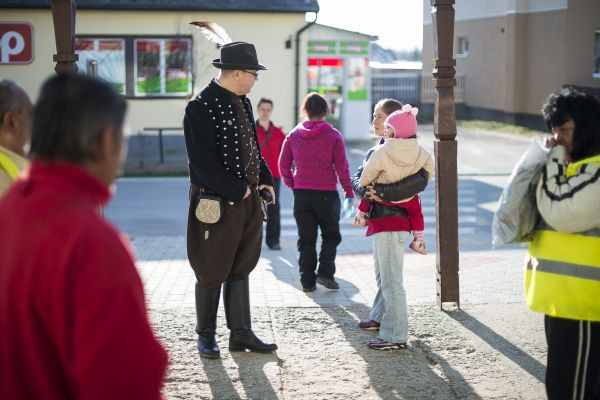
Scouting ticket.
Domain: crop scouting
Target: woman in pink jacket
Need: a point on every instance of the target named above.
(312, 161)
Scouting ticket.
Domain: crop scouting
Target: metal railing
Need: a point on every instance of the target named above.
(156, 146)
(428, 91)
(409, 87)
(393, 84)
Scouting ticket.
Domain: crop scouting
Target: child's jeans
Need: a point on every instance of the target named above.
(412, 207)
(389, 307)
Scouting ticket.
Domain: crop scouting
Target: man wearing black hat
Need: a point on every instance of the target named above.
(224, 238)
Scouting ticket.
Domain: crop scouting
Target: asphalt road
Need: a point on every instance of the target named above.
(158, 206)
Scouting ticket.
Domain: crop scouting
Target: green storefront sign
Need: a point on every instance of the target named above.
(361, 48)
(322, 47)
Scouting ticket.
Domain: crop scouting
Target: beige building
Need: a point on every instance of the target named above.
(513, 53)
(151, 53)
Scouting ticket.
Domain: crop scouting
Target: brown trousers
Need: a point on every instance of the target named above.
(228, 250)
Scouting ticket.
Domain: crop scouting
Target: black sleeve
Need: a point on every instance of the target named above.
(360, 190)
(407, 187)
(200, 140)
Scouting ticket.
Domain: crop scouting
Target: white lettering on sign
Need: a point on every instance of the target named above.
(16, 42)
(5, 46)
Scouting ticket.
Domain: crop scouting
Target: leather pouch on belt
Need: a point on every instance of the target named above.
(209, 209)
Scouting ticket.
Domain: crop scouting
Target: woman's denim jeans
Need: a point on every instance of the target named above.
(389, 307)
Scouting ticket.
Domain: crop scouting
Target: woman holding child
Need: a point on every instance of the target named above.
(389, 224)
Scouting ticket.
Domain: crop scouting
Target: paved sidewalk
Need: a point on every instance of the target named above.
(492, 348)
(485, 276)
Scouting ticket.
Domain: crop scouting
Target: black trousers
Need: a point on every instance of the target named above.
(228, 250)
(314, 209)
(573, 370)
(273, 229)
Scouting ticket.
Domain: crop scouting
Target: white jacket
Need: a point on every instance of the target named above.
(569, 205)
(394, 160)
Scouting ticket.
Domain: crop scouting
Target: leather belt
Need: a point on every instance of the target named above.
(381, 211)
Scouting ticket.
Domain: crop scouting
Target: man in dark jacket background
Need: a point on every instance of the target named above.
(225, 161)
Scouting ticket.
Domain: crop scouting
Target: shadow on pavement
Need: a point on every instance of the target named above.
(414, 372)
(218, 380)
(518, 356)
(251, 370)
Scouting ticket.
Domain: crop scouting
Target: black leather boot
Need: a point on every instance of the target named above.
(236, 297)
(207, 304)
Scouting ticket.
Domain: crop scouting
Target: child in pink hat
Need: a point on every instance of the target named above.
(398, 157)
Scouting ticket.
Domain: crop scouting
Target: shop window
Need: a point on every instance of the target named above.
(326, 76)
(597, 54)
(103, 57)
(139, 67)
(462, 47)
(162, 67)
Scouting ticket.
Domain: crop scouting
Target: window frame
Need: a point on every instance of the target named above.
(461, 52)
(124, 53)
(130, 59)
(595, 74)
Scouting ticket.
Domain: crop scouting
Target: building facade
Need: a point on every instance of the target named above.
(514, 53)
(148, 50)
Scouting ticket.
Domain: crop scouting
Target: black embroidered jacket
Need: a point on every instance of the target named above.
(214, 145)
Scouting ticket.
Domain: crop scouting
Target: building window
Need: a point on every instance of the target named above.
(597, 54)
(462, 47)
(137, 66)
(104, 58)
(162, 67)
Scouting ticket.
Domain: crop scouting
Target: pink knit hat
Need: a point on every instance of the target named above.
(403, 121)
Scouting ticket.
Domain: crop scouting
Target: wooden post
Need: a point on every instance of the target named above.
(63, 15)
(445, 150)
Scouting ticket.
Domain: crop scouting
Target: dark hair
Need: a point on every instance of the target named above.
(70, 115)
(315, 105)
(388, 105)
(11, 98)
(584, 110)
(263, 100)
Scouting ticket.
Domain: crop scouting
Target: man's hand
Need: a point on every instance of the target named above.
(371, 194)
(247, 192)
(270, 189)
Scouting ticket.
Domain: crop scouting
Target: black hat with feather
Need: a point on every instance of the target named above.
(234, 55)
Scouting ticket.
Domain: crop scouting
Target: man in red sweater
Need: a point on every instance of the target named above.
(270, 139)
(73, 322)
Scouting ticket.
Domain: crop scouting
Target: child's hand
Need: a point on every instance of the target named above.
(371, 194)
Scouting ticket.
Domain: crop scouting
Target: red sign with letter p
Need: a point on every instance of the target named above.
(16, 43)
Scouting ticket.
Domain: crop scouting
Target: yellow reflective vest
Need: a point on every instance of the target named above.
(6, 164)
(562, 270)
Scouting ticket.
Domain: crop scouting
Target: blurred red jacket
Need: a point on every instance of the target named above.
(271, 148)
(73, 322)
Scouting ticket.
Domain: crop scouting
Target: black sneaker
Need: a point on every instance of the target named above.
(309, 288)
(328, 283)
(380, 344)
(275, 246)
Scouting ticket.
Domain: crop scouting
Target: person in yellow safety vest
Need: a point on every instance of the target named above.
(15, 125)
(562, 274)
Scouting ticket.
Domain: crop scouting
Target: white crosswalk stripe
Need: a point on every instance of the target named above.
(467, 211)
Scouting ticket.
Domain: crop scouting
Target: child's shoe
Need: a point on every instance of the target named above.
(360, 219)
(418, 246)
